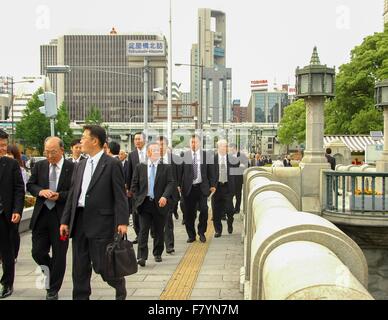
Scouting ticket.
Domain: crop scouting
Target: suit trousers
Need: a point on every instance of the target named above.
(238, 192)
(169, 226)
(222, 203)
(7, 251)
(149, 215)
(135, 216)
(45, 236)
(88, 253)
(194, 201)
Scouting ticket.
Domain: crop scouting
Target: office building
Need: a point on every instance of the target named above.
(105, 75)
(211, 80)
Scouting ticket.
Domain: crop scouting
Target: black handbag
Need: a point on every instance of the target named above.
(120, 258)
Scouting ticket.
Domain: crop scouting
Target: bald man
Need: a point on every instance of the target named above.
(50, 182)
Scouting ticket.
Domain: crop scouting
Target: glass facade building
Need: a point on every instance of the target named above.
(267, 107)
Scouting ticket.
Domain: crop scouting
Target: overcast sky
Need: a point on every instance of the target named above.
(265, 39)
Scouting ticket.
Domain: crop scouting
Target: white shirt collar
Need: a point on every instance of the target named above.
(198, 152)
(155, 163)
(96, 158)
(60, 164)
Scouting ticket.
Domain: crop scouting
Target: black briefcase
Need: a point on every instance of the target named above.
(120, 258)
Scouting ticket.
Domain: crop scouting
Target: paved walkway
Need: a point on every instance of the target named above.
(196, 271)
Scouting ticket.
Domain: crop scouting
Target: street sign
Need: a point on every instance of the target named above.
(146, 48)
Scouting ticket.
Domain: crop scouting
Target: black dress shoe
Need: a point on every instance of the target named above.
(170, 251)
(6, 292)
(230, 229)
(183, 222)
(121, 295)
(217, 235)
(202, 238)
(190, 240)
(176, 215)
(158, 259)
(135, 241)
(224, 218)
(141, 262)
(52, 296)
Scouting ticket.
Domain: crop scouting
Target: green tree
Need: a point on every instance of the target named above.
(292, 127)
(94, 116)
(354, 102)
(34, 127)
(62, 126)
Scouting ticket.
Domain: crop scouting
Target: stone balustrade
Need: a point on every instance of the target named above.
(291, 254)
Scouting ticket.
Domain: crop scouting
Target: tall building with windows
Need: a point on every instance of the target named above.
(103, 76)
(211, 84)
(267, 107)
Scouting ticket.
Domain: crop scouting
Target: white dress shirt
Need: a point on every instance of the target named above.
(58, 170)
(149, 163)
(142, 154)
(199, 177)
(87, 177)
(222, 160)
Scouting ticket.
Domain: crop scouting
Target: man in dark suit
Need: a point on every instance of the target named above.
(330, 158)
(134, 158)
(152, 185)
(167, 157)
(222, 200)
(124, 163)
(11, 208)
(50, 182)
(242, 164)
(76, 154)
(96, 209)
(196, 182)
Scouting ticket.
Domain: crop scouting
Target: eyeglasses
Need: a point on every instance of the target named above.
(53, 153)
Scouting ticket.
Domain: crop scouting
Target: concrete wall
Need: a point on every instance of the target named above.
(291, 254)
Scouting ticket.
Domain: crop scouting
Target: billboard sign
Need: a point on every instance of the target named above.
(259, 85)
(146, 48)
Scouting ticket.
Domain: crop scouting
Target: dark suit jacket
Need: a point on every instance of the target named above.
(242, 165)
(164, 185)
(11, 188)
(232, 167)
(133, 161)
(106, 204)
(125, 169)
(185, 180)
(331, 160)
(39, 180)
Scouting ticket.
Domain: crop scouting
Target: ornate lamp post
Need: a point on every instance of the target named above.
(314, 83)
(381, 101)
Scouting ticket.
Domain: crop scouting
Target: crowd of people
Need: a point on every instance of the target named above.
(91, 195)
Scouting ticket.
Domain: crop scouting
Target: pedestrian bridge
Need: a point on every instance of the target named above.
(275, 252)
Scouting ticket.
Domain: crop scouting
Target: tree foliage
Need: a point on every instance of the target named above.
(292, 127)
(94, 116)
(353, 111)
(62, 126)
(34, 127)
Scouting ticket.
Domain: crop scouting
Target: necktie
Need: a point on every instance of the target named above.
(92, 168)
(152, 182)
(52, 186)
(141, 156)
(195, 167)
(223, 174)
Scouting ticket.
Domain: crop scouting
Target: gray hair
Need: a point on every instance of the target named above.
(60, 141)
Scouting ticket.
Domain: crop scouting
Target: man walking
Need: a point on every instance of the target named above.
(152, 185)
(222, 200)
(96, 209)
(167, 157)
(196, 181)
(76, 154)
(134, 158)
(11, 208)
(50, 182)
(242, 164)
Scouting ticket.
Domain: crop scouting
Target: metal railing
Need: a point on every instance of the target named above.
(355, 192)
